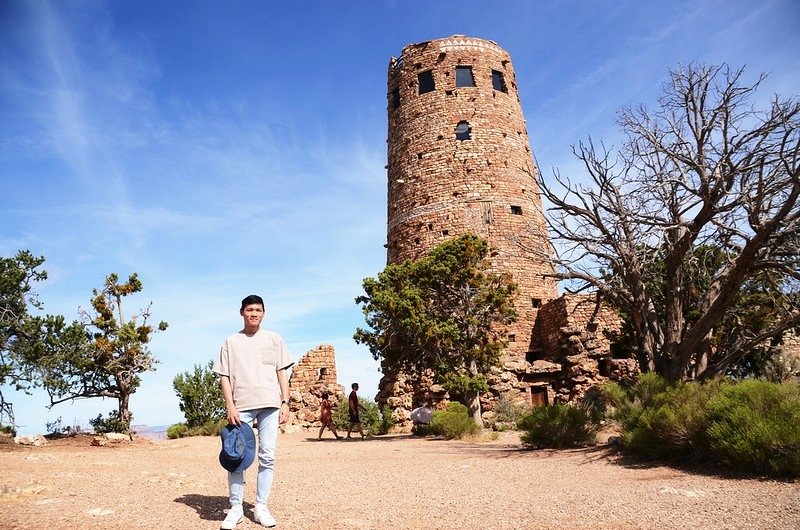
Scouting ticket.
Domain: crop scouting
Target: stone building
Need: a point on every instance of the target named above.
(459, 161)
(313, 374)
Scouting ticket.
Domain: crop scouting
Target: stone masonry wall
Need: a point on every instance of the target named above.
(313, 374)
(440, 187)
(459, 162)
(575, 331)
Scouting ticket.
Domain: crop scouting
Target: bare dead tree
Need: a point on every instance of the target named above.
(704, 168)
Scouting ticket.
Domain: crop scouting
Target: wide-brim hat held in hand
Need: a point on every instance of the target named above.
(238, 447)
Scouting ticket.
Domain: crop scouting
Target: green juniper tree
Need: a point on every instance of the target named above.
(103, 356)
(440, 313)
(200, 395)
(17, 276)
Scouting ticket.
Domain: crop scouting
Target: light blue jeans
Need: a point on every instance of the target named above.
(267, 437)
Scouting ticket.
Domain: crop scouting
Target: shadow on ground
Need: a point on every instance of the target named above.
(208, 507)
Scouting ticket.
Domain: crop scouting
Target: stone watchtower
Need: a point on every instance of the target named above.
(459, 162)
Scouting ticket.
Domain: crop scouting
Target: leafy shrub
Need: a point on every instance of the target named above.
(751, 425)
(422, 430)
(112, 423)
(453, 423)
(209, 428)
(508, 411)
(660, 420)
(755, 425)
(8, 429)
(178, 430)
(200, 396)
(558, 426)
(371, 420)
(386, 422)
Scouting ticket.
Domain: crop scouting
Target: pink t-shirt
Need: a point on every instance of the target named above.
(252, 364)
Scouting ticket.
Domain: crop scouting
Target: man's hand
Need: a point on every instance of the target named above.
(233, 417)
(283, 417)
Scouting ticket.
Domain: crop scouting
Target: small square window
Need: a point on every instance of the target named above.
(536, 303)
(498, 81)
(426, 83)
(516, 210)
(463, 131)
(464, 76)
(512, 338)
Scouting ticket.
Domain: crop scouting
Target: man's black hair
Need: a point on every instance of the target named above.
(252, 299)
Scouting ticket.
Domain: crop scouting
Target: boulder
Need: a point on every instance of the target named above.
(35, 440)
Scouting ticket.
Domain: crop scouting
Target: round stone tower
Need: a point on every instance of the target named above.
(459, 162)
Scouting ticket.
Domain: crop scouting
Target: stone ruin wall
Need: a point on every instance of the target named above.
(576, 332)
(313, 374)
(789, 357)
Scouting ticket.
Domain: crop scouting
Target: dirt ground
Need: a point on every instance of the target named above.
(391, 482)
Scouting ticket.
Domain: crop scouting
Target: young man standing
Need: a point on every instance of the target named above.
(354, 406)
(252, 367)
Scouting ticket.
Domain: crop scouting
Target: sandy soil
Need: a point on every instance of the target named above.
(388, 482)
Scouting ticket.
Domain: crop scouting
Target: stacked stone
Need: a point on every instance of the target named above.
(459, 162)
(576, 332)
(313, 374)
(441, 187)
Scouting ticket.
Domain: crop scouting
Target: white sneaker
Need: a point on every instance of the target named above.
(234, 517)
(262, 516)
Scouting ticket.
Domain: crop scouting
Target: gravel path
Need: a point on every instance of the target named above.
(393, 482)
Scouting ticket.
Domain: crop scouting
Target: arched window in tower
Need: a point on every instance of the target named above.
(463, 131)
(464, 76)
(425, 80)
(498, 81)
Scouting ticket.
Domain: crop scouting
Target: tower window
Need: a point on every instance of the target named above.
(463, 131)
(512, 337)
(486, 212)
(536, 303)
(426, 83)
(516, 210)
(396, 98)
(498, 82)
(464, 76)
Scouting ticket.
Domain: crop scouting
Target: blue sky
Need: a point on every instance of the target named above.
(223, 148)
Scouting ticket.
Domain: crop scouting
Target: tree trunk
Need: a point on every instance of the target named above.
(474, 398)
(124, 406)
(474, 405)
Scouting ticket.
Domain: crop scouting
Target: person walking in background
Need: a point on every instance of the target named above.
(326, 418)
(252, 368)
(355, 407)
